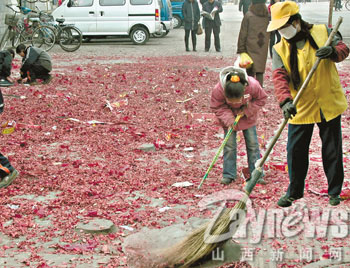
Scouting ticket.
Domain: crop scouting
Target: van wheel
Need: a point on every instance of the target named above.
(139, 36)
(177, 22)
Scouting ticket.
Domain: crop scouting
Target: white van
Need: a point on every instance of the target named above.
(95, 18)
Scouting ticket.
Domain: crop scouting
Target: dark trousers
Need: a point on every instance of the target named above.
(299, 137)
(209, 28)
(257, 76)
(194, 38)
(2, 75)
(37, 71)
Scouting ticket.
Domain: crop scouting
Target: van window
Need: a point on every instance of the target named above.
(112, 2)
(80, 3)
(141, 2)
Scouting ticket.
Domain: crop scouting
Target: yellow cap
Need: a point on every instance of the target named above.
(280, 14)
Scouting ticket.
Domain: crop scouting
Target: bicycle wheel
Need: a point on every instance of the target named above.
(25, 37)
(17, 39)
(70, 38)
(31, 1)
(5, 39)
(44, 37)
(43, 1)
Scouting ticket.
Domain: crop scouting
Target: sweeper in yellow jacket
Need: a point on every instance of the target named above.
(322, 102)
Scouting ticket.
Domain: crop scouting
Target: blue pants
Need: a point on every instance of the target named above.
(299, 137)
(230, 152)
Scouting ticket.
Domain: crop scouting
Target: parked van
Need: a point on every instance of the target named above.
(177, 13)
(95, 18)
(166, 18)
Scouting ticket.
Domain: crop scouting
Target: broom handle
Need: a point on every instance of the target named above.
(228, 134)
(298, 96)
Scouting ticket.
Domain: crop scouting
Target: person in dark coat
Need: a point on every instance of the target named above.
(7, 172)
(275, 36)
(210, 25)
(191, 13)
(6, 57)
(244, 4)
(253, 38)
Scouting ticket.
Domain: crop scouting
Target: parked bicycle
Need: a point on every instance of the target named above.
(67, 36)
(20, 32)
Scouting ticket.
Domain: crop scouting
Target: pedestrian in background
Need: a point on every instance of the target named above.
(212, 25)
(275, 36)
(253, 38)
(338, 5)
(191, 13)
(244, 6)
(238, 94)
(322, 102)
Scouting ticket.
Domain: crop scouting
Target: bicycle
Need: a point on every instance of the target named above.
(11, 22)
(19, 32)
(68, 36)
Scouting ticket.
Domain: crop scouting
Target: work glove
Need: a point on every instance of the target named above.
(325, 52)
(289, 110)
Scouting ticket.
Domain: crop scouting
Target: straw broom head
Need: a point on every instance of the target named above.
(195, 246)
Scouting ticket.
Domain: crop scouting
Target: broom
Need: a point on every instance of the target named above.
(228, 134)
(195, 247)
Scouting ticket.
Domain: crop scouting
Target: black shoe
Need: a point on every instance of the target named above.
(226, 181)
(194, 50)
(207, 50)
(334, 200)
(9, 179)
(187, 49)
(285, 201)
(218, 50)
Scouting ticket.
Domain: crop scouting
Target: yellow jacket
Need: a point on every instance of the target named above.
(324, 91)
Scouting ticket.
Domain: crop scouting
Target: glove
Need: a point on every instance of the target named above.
(325, 52)
(289, 110)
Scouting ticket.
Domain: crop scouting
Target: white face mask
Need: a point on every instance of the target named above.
(288, 32)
